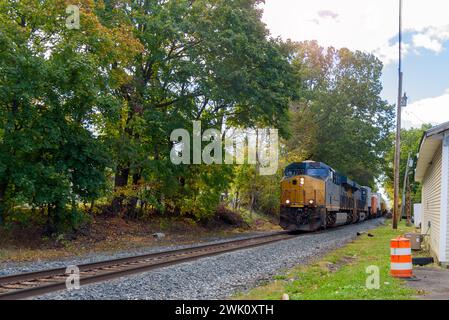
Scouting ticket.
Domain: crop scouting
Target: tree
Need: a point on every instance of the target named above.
(410, 144)
(53, 86)
(201, 60)
(77, 104)
(341, 119)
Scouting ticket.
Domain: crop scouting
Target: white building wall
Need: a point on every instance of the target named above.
(431, 203)
(444, 249)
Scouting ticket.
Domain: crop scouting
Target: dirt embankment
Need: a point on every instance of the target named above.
(106, 234)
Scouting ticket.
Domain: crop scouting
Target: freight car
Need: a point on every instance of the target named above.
(383, 208)
(374, 206)
(378, 206)
(314, 196)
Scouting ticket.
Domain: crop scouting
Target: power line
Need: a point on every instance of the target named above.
(418, 118)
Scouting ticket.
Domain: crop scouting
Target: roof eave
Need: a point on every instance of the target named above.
(429, 144)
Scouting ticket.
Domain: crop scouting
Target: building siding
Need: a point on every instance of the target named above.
(447, 228)
(431, 202)
(446, 163)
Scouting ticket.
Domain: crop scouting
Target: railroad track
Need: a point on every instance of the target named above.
(27, 285)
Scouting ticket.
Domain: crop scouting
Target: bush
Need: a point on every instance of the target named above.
(223, 216)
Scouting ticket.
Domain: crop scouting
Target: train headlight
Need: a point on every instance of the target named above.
(302, 181)
(287, 202)
(311, 202)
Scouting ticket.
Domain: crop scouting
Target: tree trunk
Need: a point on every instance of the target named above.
(92, 206)
(3, 187)
(142, 206)
(236, 200)
(121, 180)
(53, 219)
(131, 211)
(408, 205)
(256, 172)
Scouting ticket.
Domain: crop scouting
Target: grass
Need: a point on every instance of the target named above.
(259, 221)
(342, 274)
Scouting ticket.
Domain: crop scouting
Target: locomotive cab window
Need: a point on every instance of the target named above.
(320, 173)
(293, 172)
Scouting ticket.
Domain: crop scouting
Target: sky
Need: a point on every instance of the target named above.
(372, 26)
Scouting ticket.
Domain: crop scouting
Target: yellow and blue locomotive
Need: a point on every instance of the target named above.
(314, 196)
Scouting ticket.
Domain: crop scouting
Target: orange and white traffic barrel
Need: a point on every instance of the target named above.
(401, 258)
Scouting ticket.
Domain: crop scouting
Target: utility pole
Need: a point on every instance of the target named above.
(408, 204)
(406, 192)
(404, 189)
(397, 157)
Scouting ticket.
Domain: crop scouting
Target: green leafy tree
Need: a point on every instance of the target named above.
(410, 143)
(52, 86)
(201, 60)
(341, 119)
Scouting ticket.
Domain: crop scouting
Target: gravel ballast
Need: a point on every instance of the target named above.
(8, 268)
(217, 277)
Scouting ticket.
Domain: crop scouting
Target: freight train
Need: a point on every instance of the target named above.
(314, 196)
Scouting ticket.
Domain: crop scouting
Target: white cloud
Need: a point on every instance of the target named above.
(425, 41)
(432, 38)
(360, 25)
(390, 53)
(328, 14)
(431, 110)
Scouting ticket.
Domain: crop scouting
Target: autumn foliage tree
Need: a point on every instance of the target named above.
(208, 61)
(410, 144)
(52, 86)
(86, 114)
(340, 118)
(79, 104)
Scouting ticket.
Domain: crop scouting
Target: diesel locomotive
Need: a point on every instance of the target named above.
(315, 196)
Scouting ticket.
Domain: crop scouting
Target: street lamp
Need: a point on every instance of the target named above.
(404, 100)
